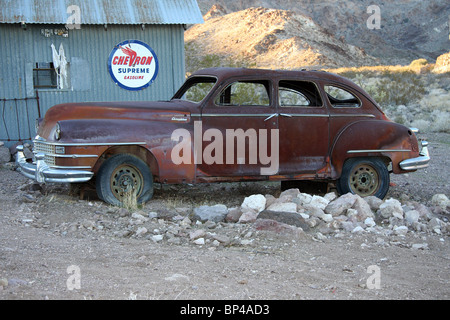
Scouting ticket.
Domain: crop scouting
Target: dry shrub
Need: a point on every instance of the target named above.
(411, 95)
(418, 63)
(441, 121)
(130, 200)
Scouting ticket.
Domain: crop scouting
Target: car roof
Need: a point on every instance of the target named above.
(223, 73)
(227, 72)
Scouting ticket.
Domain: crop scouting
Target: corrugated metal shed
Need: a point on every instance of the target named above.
(101, 11)
(87, 51)
(104, 24)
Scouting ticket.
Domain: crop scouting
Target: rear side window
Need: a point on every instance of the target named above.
(340, 98)
(292, 93)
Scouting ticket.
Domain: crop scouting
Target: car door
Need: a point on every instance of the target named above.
(237, 139)
(303, 128)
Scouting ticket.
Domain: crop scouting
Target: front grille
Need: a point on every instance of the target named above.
(47, 149)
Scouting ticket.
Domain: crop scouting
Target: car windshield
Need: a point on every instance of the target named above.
(195, 89)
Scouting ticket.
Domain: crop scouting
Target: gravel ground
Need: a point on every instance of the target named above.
(54, 245)
(423, 184)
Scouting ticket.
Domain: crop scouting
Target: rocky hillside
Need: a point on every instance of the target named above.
(271, 38)
(442, 63)
(409, 29)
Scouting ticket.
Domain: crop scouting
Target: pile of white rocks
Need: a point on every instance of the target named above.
(293, 214)
(5, 155)
(330, 214)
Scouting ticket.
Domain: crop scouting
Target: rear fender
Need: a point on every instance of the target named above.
(387, 140)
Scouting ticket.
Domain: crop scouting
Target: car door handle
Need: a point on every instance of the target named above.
(271, 116)
(286, 115)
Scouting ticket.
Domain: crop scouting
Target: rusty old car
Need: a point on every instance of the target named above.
(227, 125)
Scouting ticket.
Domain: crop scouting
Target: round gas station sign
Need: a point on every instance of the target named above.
(133, 65)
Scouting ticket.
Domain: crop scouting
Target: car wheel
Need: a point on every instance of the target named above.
(365, 177)
(122, 178)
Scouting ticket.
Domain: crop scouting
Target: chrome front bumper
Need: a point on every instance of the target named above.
(419, 162)
(42, 173)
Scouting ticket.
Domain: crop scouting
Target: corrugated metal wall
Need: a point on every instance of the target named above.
(87, 51)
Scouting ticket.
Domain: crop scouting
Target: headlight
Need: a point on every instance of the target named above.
(58, 131)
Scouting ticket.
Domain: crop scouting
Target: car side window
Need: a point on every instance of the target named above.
(340, 98)
(196, 89)
(245, 93)
(292, 93)
(198, 92)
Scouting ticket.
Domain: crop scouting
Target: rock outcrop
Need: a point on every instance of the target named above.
(270, 38)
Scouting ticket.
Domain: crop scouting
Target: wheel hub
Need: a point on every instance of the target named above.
(364, 180)
(126, 180)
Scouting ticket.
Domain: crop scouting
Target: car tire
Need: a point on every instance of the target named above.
(124, 176)
(365, 177)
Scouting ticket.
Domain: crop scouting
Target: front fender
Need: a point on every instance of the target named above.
(388, 140)
(112, 136)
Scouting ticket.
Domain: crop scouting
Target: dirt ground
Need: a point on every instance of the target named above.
(54, 245)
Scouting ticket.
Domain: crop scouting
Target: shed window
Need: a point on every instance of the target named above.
(45, 76)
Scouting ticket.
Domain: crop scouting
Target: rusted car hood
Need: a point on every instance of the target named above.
(165, 111)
